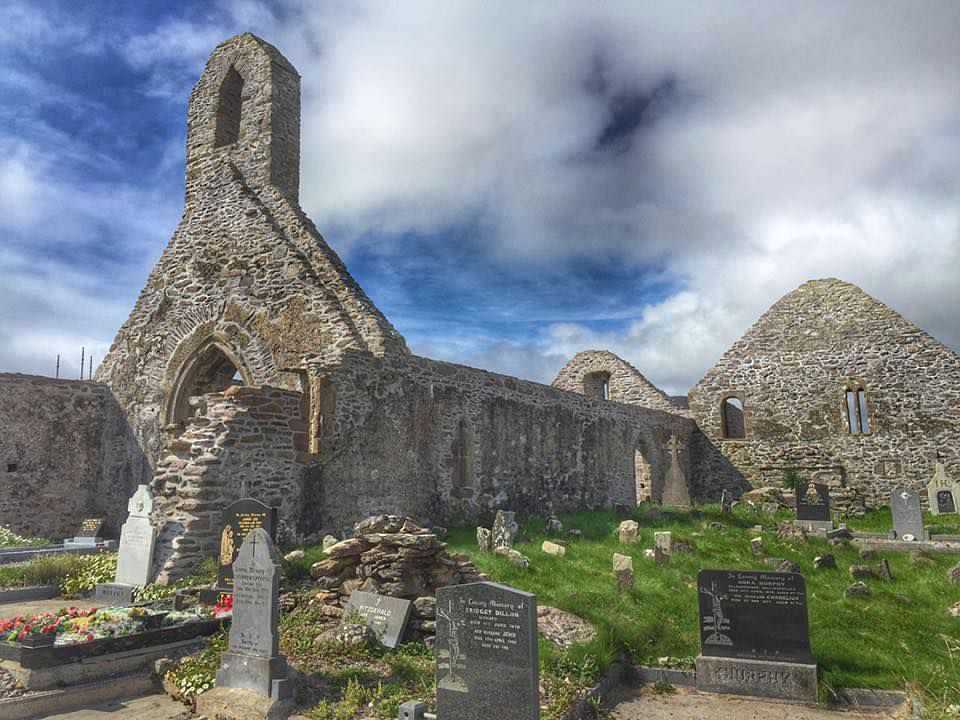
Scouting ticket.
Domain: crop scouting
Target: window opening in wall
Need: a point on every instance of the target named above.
(462, 476)
(11, 467)
(323, 401)
(597, 385)
(734, 424)
(858, 417)
(209, 370)
(229, 107)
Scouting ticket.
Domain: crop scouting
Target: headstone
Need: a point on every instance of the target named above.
(623, 572)
(757, 548)
(484, 539)
(88, 535)
(253, 660)
(907, 516)
(726, 502)
(754, 635)
(813, 506)
(662, 547)
(487, 655)
(553, 526)
(239, 519)
(386, 616)
(137, 539)
(552, 548)
(135, 557)
(676, 492)
(628, 532)
(505, 529)
(943, 494)
(329, 541)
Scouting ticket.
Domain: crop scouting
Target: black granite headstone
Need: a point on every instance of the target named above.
(813, 502)
(239, 518)
(487, 655)
(945, 502)
(386, 616)
(91, 527)
(754, 615)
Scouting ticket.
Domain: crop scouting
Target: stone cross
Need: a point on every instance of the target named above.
(253, 660)
(675, 490)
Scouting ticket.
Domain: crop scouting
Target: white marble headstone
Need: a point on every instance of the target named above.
(137, 540)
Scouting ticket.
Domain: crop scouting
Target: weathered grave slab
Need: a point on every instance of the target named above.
(907, 516)
(505, 529)
(386, 616)
(113, 594)
(754, 635)
(487, 656)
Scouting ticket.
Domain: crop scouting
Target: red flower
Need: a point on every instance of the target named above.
(21, 636)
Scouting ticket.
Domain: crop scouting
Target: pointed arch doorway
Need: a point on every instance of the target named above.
(213, 367)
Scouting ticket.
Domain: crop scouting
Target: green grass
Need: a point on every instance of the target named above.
(49, 570)
(900, 635)
(882, 521)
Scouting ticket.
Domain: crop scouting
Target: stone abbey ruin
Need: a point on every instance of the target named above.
(253, 362)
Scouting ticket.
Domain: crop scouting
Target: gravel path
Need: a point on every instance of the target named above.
(34, 607)
(687, 704)
(151, 707)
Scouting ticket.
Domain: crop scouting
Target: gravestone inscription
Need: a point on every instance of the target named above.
(487, 656)
(907, 516)
(386, 616)
(253, 660)
(754, 635)
(813, 506)
(137, 540)
(91, 528)
(239, 519)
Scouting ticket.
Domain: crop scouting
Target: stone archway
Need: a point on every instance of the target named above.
(213, 367)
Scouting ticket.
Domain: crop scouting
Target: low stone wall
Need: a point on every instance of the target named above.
(66, 452)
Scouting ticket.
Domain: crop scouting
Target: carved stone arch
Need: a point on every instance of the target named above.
(211, 367)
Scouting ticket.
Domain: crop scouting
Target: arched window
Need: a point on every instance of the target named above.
(462, 459)
(597, 385)
(208, 370)
(734, 424)
(229, 105)
(858, 417)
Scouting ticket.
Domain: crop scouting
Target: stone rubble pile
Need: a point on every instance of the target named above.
(393, 556)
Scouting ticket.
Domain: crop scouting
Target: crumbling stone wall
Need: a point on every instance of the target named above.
(246, 284)
(586, 370)
(792, 370)
(66, 453)
(244, 438)
(448, 443)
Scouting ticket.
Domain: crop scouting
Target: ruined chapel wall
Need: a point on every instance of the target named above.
(244, 437)
(792, 370)
(626, 383)
(66, 452)
(448, 443)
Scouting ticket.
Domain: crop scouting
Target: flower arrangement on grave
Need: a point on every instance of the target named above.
(20, 628)
(224, 607)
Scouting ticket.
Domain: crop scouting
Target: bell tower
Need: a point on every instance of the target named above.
(245, 112)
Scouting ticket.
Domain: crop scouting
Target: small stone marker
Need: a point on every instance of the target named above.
(943, 493)
(135, 558)
(505, 529)
(386, 616)
(907, 516)
(757, 548)
(552, 548)
(629, 532)
(487, 654)
(813, 506)
(553, 526)
(623, 572)
(726, 502)
(662, 547)
(328, 542)
(253, 660)
(88, 535)
(754, 635)
(484, 539)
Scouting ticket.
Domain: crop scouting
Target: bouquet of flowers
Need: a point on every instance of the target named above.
(223, 607)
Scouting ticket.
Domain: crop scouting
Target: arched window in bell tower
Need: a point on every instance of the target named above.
(229, 106)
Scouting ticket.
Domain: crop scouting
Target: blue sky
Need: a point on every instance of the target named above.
(509, 182)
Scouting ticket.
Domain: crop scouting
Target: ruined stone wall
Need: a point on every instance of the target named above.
(246, 276)
(792, 371)
(66, 453)
(625, 383)
(244, 437)
(449, 443)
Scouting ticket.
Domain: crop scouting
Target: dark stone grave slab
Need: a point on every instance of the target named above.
(91, 527)
(239, 518)
(386, 616)
(253, 660)
(813, 506)
(487, 655)
(907, 516)
(754, 635)
(945, 502)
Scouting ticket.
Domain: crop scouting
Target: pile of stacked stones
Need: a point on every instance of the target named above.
(393, 556)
